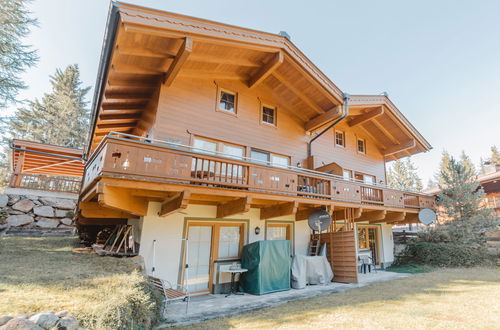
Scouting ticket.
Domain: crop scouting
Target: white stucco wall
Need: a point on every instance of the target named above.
(168, 233)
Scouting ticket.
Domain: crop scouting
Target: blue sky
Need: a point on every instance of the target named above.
(438, 60)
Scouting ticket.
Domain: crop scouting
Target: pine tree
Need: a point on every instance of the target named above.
(495, 156)
(443, 167)
(461, 195)
(431, 184)
(61, 117)
(467, 163)
(403, 175)
(15, 57)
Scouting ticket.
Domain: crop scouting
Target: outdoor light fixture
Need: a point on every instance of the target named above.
(257, 230)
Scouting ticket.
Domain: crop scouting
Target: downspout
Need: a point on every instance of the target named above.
(346, 112)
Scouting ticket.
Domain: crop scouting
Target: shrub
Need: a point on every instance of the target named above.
(443, 255)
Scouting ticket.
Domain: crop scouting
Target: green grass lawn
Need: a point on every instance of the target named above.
(441, 299)
(40, 274)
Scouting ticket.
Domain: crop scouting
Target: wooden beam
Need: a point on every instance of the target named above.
(398, 148)
(299, 93)
(385, 132)
(303, 214)
(200, 74)
(175, 203)
(278, 210)
(266, 69)
(237, 61)
(180, 59)
(356, 120)
(142, 52)
(101, 222)
(391, 217)
(132, 69)
(94, 210)
(324, 118)
(236, 206)
(372, 216)
(341, 214)
(120, 199)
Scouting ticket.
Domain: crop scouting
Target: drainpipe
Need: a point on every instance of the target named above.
(346, 112)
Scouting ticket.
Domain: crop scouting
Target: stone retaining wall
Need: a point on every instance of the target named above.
(30, 211)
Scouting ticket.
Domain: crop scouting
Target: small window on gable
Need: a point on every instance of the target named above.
(339, 138)
(269, 115)
(227, 101)
(361, 146)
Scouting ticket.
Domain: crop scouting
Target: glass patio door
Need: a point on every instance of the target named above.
(199, 258)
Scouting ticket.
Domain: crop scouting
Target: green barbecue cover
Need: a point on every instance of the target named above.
(268, 264)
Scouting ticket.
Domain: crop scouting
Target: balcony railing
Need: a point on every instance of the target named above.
(45, 182)
(147, 159)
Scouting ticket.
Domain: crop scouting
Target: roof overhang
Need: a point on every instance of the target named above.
(145, 49)
(380, 119)
(39, 158)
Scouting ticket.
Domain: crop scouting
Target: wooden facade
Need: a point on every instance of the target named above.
(192, 112)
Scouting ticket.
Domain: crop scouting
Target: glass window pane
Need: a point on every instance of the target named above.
(233, 151)
(269, 115)
(347, 174)
(279, 161)
(259, 156)
(205, 146)
(229, 241)
(276, 233)
(227, 101)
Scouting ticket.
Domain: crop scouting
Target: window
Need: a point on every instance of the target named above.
(269, 115)
(229, 241)
(267, 158)
(259, 156)
(361, 146)
(340, 138)
(202, 145)
(370, 179)
(211, 147)
(347, 174)
(278, 231)
(227, 101)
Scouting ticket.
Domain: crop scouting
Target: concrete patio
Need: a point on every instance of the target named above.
(212, 306)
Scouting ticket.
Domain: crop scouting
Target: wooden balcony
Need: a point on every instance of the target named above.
(45, 182)
(121, 157)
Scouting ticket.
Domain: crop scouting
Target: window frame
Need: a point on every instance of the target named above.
(218, 108)
(275, 115)
(219, 146)
(290, 231)
(364, 146)
(343, 138)
(270, 157)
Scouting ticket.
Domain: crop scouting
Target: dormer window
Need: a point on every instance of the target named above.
(361, 146)
(269, 115)
(340, 138)
(227, 101)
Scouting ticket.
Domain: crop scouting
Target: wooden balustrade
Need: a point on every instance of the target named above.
(218, 171)
(411, 200)
(132, 159)
(371, 195)
(45, 182)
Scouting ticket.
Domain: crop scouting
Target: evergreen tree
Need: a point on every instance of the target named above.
(495, 156)
(467, 163)
(431, 184)
(403, 175)
(61, 117)
(461, 195)
(15, 57)
(443, 167)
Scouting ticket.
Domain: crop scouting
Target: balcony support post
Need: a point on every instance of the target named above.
(176, 203)
(236, 206)
(278, 210)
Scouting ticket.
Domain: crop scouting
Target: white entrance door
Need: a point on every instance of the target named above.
(199, 247)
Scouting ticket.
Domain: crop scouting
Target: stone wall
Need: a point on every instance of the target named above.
(30, 211)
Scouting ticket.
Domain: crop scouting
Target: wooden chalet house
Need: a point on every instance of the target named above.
(225, 135)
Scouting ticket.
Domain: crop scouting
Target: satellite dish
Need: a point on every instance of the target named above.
(427, 216)
(319, 220)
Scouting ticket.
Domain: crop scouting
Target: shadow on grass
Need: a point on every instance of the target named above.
(420, 289)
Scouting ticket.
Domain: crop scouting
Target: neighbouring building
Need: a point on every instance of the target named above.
(224, 135)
